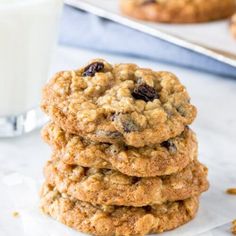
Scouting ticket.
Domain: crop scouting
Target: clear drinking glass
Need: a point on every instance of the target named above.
(28, 30)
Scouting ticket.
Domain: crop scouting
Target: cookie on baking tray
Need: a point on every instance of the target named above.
(118, 104)
(178, 11)
(233, 25)
(116, 220)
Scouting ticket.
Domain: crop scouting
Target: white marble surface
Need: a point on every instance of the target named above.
(215, 98)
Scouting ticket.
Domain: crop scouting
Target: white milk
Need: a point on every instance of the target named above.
(27, 35)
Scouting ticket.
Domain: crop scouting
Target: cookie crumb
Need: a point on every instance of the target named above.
(231, 191)
(233, 229)
(15, 214)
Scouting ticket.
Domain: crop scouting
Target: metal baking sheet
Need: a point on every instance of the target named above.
(212, 39)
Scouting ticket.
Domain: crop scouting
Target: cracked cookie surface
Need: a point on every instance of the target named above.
(178, 11)
(112, 220)
(161, 159)
(118, 104)
(109, 187)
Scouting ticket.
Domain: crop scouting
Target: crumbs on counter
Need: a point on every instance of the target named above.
(15, 214)
(233, 229)
(231, 191)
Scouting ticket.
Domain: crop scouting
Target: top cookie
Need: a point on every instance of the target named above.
(178, 11)
(118, 104)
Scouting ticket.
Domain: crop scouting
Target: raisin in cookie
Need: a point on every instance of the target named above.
(161, 159)
(233, 25)
(178, 11)
(112, 220)
(118, 104)
(109, 187)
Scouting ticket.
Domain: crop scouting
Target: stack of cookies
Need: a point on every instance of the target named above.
(124, 160)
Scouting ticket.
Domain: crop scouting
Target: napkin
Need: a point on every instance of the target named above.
(81, 29)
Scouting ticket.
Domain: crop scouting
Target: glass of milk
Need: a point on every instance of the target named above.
(28, 30)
